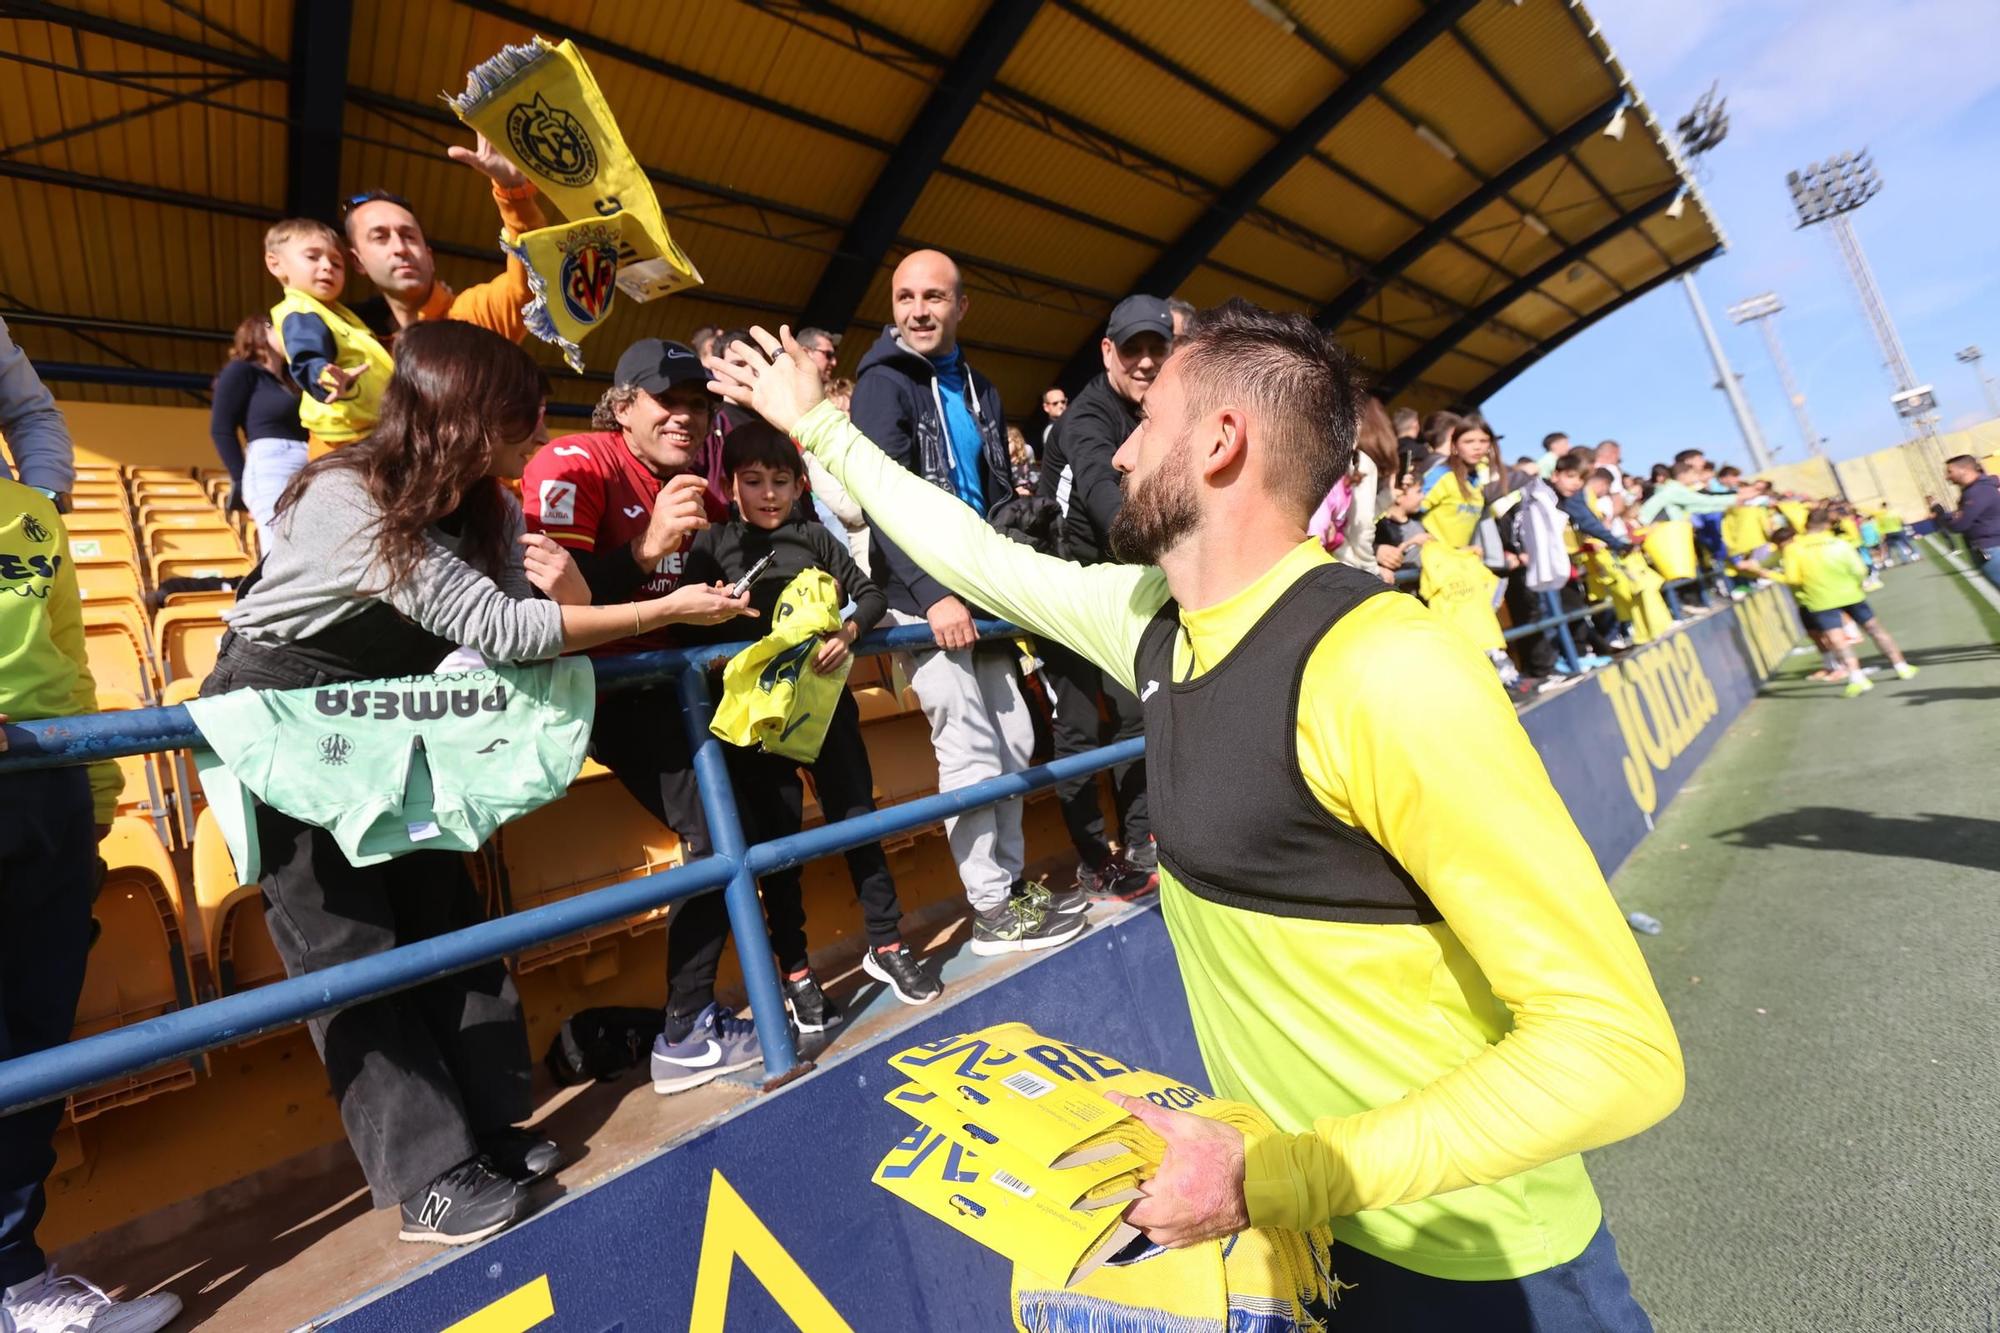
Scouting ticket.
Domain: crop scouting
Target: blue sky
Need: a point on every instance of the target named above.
(1916, 81)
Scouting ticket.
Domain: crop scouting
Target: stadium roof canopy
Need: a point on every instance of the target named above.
(1435, 182)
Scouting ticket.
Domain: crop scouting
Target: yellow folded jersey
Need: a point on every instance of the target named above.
(1745, 528)
(1669, 545)
(1459, 588)
(771, 696)
(540, 105)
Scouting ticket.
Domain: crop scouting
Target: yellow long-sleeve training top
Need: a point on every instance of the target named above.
(43, 670)
(1432, 1084)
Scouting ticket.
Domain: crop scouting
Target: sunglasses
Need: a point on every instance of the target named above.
(354, 201)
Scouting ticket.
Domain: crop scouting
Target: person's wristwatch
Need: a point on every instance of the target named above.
(56, 498)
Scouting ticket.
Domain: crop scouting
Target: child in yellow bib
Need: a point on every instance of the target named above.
(340, 365)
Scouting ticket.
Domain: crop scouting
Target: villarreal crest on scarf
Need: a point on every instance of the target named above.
(539, 105)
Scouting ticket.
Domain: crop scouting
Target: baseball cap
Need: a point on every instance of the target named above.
(656, 365)
(1139, 314)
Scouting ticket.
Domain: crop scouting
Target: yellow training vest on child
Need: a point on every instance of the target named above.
(540, 105)
(354, 413)
(771, 696)
(1462, 590)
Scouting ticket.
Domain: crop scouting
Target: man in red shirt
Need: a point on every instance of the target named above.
(626, 500)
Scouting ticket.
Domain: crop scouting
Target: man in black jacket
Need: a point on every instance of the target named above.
(1978, 516)
(916, 397)
(1077, 474)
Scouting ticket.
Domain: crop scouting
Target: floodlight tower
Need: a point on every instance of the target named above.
(1761, 311)
(1972, 356)
(1827, 192)
(1700, 130)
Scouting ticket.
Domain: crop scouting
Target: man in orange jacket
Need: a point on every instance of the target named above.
(388, 244)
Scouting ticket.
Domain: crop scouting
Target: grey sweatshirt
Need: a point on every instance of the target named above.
(320, 569)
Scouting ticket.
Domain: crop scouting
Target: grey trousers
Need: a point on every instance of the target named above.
(980, 729)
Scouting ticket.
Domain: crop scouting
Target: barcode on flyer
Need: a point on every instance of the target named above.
(1013, 1184)
(1028, 1085)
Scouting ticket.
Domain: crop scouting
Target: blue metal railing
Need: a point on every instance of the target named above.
(61, 1070)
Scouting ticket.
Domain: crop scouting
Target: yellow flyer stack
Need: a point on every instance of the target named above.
(1031, 1166)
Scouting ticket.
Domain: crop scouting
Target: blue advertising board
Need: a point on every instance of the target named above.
(766, 1219)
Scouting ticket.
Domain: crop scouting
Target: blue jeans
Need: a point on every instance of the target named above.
(48, 876)
(268, 467)
(1589, 1294)
(1989, 564)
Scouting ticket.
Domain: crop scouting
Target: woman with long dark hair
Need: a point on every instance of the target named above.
(254, 396)
(392, 553)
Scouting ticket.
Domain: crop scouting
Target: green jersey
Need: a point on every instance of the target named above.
(420, 763)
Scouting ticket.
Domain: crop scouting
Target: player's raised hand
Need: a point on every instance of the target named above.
(781, 385)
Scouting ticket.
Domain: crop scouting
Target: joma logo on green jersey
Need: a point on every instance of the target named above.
(415, 705)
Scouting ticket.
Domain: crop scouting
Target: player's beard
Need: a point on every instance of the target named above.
(1157, 512)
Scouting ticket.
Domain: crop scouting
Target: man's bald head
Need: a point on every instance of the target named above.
(929, 301)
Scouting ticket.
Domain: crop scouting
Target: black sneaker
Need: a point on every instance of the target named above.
(521, 1155)
(1117, 880)
(899, 970)
(811, 1010)
(1017, 926)
(467, 1203)
(1048, 901)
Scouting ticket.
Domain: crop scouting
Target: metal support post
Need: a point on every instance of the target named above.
(1552, 610)
(746, 909)
(1725, 376)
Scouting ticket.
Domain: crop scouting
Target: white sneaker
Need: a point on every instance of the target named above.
(65, 1303)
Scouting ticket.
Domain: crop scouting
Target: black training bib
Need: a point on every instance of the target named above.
(1236, 822)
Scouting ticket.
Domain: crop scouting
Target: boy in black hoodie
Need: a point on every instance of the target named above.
(766, 478)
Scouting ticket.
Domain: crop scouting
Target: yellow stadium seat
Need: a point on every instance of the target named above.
(899, 751)
(200, 567)
(82, 487)
(99, 475)
(97, 520)
(137, 474)
(186, 486)
(108, 585)
(116, 653)
(98, 500)
(594, 836)
(186, 638)
(138, 968)
(145, 791)
(102, 548)
(175, 513)
(232, 916)
(189, 543)
(217, 601)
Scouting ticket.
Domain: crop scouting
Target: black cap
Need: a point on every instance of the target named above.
(1139, 314)
(656, 365)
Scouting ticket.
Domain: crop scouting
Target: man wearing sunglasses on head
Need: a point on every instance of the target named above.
(388, 244)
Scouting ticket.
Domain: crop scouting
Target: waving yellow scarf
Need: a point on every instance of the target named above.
(540, 106)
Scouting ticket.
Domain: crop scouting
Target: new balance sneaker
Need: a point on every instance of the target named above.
(1859, 684)
(719, 1043)
(899, 970)
(55, 1302)
(521, 1155)
(1905, 671)
(811, 1011)
(469, 1202)
(1117, 880)
(1017, 926)
(1037, 893)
